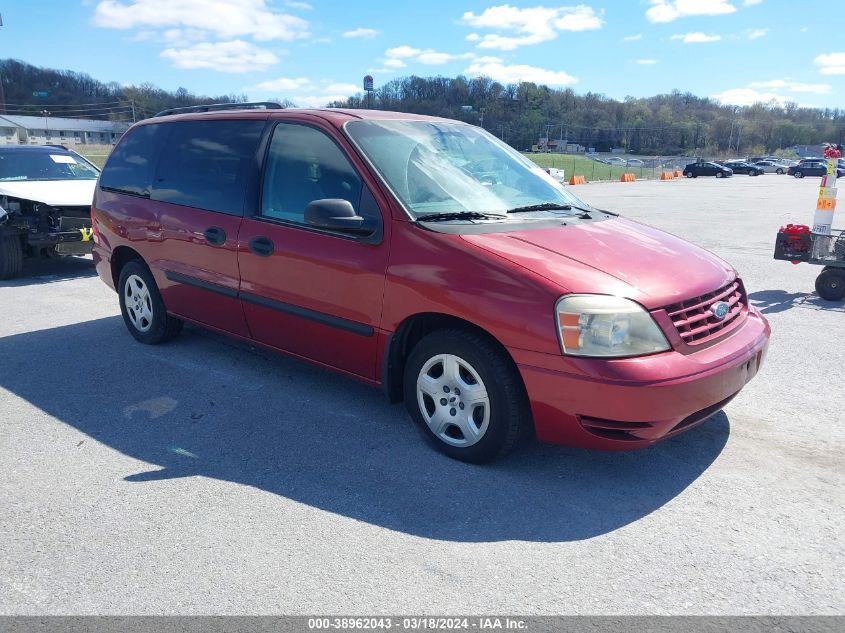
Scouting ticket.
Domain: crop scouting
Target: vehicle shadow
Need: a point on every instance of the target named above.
(773, 301)
(44, 270)
(201, 407)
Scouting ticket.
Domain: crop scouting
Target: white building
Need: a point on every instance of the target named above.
(39, 130)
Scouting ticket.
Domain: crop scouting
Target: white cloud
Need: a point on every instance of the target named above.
(494, 68)
(645, 62)
(750, 3)
(282, 84)
(183, 36)
(397, 57)
(346, 89)
(302, 6)
(229, 57)
(224, 18)
(433, 58)
(632, 38)
(696, 38)
(363, 33)
(754, 34)
(831, 63)
(792, 86)
(472, 37)
(529, 25)
(671, 10)
(748, 96)
(306, 92)
(402, 51)
(317, 101)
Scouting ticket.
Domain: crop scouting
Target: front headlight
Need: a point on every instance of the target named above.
(606, 326)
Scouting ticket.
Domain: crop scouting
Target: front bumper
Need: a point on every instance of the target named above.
(634, 402)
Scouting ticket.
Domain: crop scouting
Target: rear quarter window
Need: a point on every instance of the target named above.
(129, 167)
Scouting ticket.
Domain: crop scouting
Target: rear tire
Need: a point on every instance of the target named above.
(142, 307)
(11, 256)
(466, 395)
(830, 284)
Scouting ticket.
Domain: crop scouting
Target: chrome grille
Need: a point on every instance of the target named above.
(695, 322)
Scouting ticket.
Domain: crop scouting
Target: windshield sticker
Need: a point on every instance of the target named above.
(61, 158)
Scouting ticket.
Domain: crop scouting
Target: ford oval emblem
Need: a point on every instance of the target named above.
(720, 309)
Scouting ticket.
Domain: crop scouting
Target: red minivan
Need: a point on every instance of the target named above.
(426, 257)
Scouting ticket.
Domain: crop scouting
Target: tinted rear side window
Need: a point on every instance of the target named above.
(206, 164)
(129, 167)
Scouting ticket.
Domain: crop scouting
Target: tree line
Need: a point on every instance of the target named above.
(521, 114)
(667, 124)
(30, 90)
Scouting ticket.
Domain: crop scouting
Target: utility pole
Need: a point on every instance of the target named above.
(2, 90)
(45, 114)
(132, 101)
(481, 121)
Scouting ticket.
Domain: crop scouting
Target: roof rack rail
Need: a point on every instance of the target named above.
(212, 107)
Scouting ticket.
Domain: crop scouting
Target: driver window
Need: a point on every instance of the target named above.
(304, 165)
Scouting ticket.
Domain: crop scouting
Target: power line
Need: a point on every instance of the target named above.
(67, 113)
(67, 105)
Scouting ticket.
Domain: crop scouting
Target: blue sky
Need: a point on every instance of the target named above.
(739, 51)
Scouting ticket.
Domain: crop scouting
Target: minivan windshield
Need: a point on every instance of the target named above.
(437, 167)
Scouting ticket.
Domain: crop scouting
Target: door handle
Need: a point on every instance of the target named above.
(262, 246)
(215, 236)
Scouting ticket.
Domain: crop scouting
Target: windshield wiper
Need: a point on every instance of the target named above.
(456, 215)
(547, 206)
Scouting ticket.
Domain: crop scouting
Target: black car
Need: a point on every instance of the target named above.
(694, 170)
(742, 167)
(812, 168)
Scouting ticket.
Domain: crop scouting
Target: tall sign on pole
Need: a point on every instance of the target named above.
(368, 88)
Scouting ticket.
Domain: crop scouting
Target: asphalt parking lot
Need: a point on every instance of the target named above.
(203, 477)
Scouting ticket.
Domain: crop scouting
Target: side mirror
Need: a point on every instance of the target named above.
(335, 214)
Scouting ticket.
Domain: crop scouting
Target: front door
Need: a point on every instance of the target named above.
(307, 291)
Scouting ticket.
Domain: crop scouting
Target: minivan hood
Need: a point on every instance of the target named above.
(615, 256)
(56, 193)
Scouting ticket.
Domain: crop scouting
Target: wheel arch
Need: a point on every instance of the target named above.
(409, 333)
(119, 258)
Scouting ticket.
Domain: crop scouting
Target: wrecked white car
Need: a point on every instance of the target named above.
(45, 204)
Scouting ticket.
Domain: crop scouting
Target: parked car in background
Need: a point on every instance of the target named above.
(813, 168)
(491, 300)
(45, 204)
(634, 162)
(742, 167)
(771, 167)
(694, 170)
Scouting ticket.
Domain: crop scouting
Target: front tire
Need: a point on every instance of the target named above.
(142, 307)
(688, 174)
(779, 172)
(799, 174)
(719, 174)
(830, 284)
(466, 395)
(11, 257)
